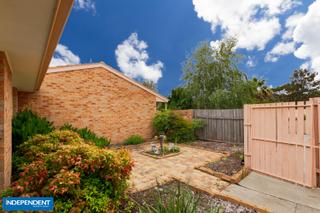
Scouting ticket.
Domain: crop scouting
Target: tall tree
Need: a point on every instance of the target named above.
(150, 85)
(179, 99)
(303, 85)
(213, 79)
(264, 92)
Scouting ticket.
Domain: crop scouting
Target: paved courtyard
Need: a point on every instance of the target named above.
(271, 193)
(148, 171)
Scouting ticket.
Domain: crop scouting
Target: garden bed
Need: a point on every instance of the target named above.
(160, 156)
(229, 168)
(205, 201)
(168, 151)
(217, 146)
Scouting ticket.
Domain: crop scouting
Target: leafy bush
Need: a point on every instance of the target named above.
(134, 139)
(26, 124)
(88, 135)
(175, 127)
(79, 175)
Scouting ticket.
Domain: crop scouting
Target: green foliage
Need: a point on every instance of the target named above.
(133, 140)
(81, 176)
(176, 128)
(303, 85)
(213, 79)
(26, 124)
(163, 121)
(176, 201)
(88, 135)
(180, 99)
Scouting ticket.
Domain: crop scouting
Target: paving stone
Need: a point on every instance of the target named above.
(148, 171)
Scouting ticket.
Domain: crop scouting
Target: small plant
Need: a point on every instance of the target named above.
(173, 149)
(176, 201)
(166, 150)
(88, 135)
(26, 124)
(133, 140)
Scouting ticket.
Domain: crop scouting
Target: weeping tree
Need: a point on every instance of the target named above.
(213, 80)
(150, 85)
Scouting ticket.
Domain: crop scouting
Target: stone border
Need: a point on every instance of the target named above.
(236, 178)
(160, 157)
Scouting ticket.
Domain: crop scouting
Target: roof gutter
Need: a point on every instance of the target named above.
(61, 15)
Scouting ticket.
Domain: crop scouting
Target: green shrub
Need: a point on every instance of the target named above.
(88, 135)
(26, 124)
(175, 127)
(133, 139)
(80, 176)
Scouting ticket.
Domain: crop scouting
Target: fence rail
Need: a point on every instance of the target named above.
(221, 125)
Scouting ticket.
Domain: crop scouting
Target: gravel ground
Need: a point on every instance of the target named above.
(206, 201)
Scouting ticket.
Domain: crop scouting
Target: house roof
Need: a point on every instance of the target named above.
(30, 31)
(159, 98)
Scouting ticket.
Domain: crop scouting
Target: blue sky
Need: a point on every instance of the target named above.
(153, 38)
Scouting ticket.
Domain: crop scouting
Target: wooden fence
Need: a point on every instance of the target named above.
(221, 125)
(282, 140)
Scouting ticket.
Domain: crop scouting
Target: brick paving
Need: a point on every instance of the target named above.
(148, 171)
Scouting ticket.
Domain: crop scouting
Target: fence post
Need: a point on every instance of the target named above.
(315, 141)
(247, 135)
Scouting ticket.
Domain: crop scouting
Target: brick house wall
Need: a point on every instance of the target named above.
(104, 102)
(15, 100)
(5, 122)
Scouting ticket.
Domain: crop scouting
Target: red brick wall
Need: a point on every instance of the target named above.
(96, 98)
(15, 100)
(5, 122)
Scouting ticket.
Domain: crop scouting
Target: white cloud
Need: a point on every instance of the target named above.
(88, 5)
(305, 65)
(215, 44)
(306, 34)
(281, 48)
(291, 24)
(253, 22)
(132, 59)
(301, 38)
(251, 62)
(64, 56)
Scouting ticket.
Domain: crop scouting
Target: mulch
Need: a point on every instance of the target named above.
(218, 146)
(228, 165)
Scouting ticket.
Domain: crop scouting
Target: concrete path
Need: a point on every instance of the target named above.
(147, 171)
(277, 195)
